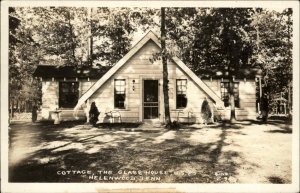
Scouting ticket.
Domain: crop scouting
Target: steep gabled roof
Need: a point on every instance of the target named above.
(149, 36)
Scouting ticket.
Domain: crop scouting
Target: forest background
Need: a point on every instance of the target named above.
(203, 38)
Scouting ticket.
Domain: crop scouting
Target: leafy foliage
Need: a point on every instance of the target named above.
(59, 36)
(23, 88)
(115, 28)
(229, 39)
(273, 49)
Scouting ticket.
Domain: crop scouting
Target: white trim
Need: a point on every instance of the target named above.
(141, 98)
(175, 93)
(158, 95)
(127, 87)
(143, 77)
(149, 36)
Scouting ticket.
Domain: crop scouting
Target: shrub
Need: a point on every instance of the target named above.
(206, 112)
(173, 125)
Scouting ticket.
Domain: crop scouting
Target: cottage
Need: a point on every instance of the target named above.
(131, 91)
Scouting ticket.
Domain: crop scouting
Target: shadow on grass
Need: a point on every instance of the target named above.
(226, 125)
(285, 130)
(103, 150)
(118, 125)
(275, 180)
(49, 123)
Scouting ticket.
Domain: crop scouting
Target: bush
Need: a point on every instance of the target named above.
(173, 125)
(206, 112)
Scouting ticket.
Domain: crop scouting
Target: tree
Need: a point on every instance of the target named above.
(165, 68)
(289, 12)
(116, 35)
(273, 51)
(59, 32)
(235, 45)
(23, 89)
(58, 36)
(14, 74)
(214, 39)
(115, 28)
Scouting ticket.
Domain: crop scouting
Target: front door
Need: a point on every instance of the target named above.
(150, 100)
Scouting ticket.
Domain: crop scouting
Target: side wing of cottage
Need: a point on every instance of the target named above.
(246, 106)
(62, 86)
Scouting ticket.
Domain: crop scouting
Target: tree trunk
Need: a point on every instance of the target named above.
(289, 97)
(12, 108)
(231, 100)
(73, 47)
(18, 105)
(90, 52)
(165, 69)
(290, 56)
(22, 106)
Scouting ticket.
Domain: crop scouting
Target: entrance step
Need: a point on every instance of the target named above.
(151, 125)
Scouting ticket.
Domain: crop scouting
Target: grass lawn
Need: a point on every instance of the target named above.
(245, 152)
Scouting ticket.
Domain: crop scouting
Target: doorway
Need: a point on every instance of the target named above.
(150, 99)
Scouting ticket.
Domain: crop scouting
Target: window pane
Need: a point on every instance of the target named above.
(120, 89)
(179, 88)
(120, 82)
(68, 94)
(237, 103)
(181, 101)
(119, 100)
(224, 93)
(236, 95)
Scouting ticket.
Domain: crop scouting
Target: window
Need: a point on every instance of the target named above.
(225, 93)
(181, 100)
(120, 93)
(236, 94)
(68, 94)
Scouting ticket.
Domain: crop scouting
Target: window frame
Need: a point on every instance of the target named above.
(183, 93)
(236, 93)
(115, 93)
(60, 93)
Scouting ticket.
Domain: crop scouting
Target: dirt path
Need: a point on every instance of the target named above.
(264, 153)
